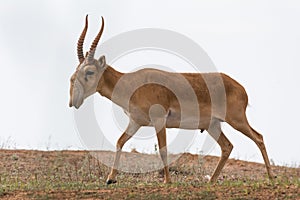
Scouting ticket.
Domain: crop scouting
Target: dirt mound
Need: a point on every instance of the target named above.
(30, 174)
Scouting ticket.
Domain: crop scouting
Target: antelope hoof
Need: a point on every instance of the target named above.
(167, 181)
(110, 181)
(272, 177)
(212, 180)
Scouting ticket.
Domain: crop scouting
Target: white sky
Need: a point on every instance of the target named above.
(255, 42)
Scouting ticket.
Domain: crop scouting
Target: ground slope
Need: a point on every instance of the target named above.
(30, 174)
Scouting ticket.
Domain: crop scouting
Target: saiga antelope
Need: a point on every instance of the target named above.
(154, 104)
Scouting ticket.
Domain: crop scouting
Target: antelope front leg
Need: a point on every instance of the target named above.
(161, 136)
(130, 131)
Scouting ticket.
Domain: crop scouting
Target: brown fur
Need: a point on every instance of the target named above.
(161, 99)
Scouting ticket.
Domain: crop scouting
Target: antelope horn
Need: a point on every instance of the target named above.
(81, 40)
(95, 42)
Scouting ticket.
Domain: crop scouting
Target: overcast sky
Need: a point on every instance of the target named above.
(255, 42)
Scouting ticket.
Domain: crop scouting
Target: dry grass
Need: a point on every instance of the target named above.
(77, 174)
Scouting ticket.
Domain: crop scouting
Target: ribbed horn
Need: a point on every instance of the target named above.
(95, 42)
(81, 40)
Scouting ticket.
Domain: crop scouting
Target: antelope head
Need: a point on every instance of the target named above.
(85, 79)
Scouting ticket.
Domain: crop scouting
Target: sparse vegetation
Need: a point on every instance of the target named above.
(77, 174)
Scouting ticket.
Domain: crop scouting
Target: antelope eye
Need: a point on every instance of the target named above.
(89, 73)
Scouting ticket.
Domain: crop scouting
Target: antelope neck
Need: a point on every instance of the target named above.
(108, 81)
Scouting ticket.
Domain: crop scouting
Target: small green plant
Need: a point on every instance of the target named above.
(15, 157)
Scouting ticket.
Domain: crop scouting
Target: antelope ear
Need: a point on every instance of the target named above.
(102, 61)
